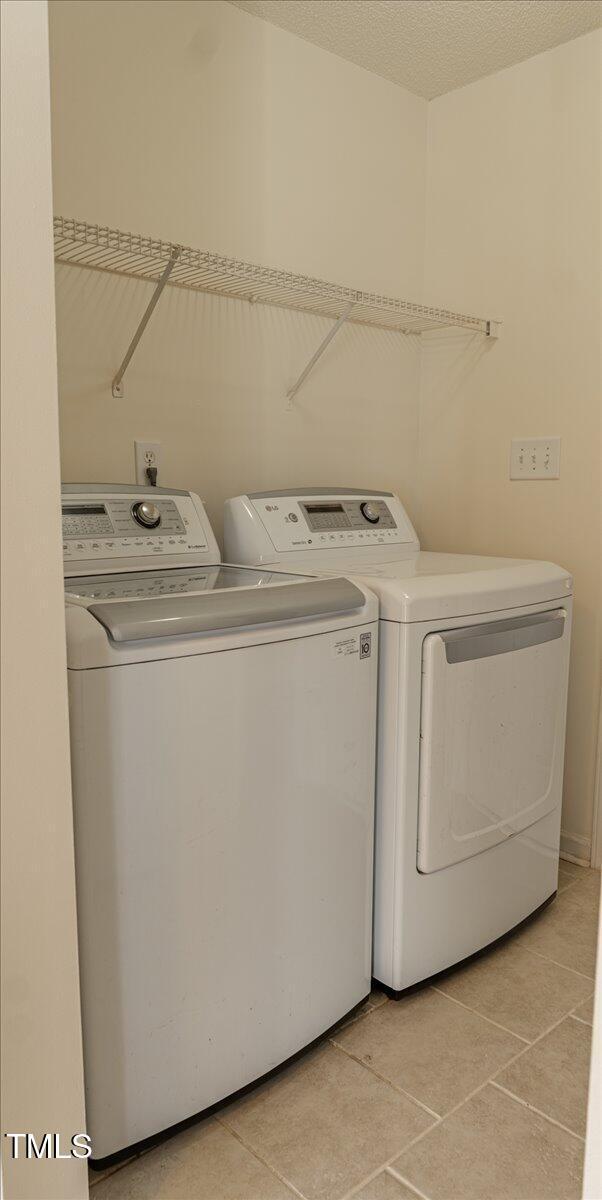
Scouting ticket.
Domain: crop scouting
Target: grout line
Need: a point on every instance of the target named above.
(524, 1049)
(383, 1078)
(566, 887)
(381, 1003)
(360, 1016)
(539, 1038)
(273, 1170)
(401, 1178)
(573, 878)
(476, 1013)
(420, 1136)
(393, 1171)
(491, 1080)
(384, 1168)
(581, 1020)
(539, 1111)
(357, 1187)
(547, 958)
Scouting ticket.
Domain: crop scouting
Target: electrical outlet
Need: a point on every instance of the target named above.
(147, 454)
(535, 458)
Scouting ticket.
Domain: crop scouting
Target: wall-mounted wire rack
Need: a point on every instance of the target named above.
(139, 257)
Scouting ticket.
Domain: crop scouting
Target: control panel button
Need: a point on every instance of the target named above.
(146, 514)
(370, 512)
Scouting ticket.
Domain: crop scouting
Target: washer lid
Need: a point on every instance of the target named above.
(431, 587)
(146, 585)
(207, 601)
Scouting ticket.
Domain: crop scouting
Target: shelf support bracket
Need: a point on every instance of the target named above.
(117, 385)
(292, 392)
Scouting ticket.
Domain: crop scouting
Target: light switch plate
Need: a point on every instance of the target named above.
(535, 458)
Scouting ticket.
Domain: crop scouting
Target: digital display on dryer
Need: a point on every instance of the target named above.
(326, 516)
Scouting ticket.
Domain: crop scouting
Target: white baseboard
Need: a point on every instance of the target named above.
(575, 848)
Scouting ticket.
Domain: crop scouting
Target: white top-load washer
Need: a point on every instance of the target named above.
(223, 727)
(473, 665)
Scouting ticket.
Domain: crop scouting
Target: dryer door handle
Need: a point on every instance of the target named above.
(217, 612)
(503, 637)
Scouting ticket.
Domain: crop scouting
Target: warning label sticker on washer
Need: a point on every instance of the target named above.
(348, 645)
(361, 645)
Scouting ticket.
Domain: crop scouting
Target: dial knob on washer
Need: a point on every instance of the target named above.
(370, 512)
(146, 513)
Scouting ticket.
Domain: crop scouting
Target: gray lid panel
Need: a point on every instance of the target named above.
(212, 612)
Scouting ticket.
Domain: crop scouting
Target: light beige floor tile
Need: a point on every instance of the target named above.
(493, 1148)
(326, 1123)
(365, 1008)
(574, 869)
(205, 1163)
(553, 1074)
(585, 1012)
(378, 997)
(385, 1187)
(565, 879)
(518, 989)
(590, 885)
(430, 1047)
(95, 1177)
(567, 930)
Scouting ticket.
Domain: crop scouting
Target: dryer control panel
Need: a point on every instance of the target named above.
(114, 524)
(313, 519)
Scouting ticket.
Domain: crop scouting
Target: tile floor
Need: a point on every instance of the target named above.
(474, 1089)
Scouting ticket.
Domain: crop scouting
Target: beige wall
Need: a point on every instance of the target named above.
(199, 123)
(513, 229)
(42, 1084)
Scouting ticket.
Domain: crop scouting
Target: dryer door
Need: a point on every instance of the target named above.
(492, 733)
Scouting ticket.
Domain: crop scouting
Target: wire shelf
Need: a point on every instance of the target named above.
(139, 257)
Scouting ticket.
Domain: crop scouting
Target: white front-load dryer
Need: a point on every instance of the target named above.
(473, 667)
(223, 726)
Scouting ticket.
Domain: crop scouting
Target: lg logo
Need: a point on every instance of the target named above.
(26, 1145)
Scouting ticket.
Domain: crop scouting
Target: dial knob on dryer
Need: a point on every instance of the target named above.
(146, 513)
(370, 512)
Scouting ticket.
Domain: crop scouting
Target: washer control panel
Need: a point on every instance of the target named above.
(329, 521)
(322, 516)
(115, 525)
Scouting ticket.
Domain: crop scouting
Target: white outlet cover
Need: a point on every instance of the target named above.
(535, 458)
(146, 454)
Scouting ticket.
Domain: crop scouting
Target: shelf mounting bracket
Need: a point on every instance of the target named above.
(117, 385)
(292, 392)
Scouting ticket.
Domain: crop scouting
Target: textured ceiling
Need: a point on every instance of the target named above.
(431, 46)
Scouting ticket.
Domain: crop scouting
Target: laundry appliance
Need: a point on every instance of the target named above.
(223, 758)
(473, 665)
